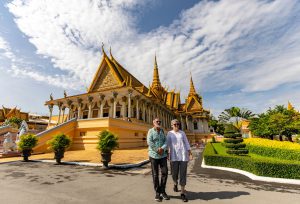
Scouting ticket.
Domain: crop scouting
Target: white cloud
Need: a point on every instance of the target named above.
(214, 39)
(19, 68)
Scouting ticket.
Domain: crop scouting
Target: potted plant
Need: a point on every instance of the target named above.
(59, 143)
(26, 144)
(106, 144)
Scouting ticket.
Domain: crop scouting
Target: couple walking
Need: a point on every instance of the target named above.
(176, 148)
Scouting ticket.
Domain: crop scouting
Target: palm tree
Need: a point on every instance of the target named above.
(234, 116)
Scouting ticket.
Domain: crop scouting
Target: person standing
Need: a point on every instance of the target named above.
(157, 146)
(179, 155)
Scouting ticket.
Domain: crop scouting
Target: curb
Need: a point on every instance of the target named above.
(253, 176)
(112, 166)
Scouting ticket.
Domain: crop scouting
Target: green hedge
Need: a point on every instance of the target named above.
(258, 166)
(235, 146)
(274, 152)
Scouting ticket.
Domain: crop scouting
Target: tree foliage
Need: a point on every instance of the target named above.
(234, 116)
(14, 122)
(218, 126)
(278, 121)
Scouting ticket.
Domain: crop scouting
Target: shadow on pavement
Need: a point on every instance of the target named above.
(215, 195)
(230, 178)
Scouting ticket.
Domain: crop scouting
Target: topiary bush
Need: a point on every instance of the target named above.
(107, 141)
(59, 143)
(233, 141)
(26, 144)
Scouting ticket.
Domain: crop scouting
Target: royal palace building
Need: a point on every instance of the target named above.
(120, 103)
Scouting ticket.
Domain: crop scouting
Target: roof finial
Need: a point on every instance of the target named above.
(156, 81)
(110, 51)
(192, 88)
(103, 48)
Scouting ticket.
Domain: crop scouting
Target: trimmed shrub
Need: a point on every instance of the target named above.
(27, 142)
(107, 141)
(213, 140)
(235, 146)
(233, 142)
(258, 166)
(59, 142)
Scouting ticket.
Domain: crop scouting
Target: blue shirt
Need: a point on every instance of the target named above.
(156, 140)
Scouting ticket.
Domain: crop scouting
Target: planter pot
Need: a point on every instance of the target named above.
(58, 155)
(106, 158)
(26, 153)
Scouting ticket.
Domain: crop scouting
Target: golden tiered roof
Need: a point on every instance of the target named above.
(111, 75)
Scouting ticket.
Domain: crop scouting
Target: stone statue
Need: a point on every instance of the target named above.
(8, 143)
(22, 130)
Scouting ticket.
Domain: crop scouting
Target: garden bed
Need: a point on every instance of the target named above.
(215, 155)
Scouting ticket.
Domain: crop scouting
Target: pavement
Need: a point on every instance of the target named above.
(36, 182)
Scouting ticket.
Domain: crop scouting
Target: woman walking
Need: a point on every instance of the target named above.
(179, 155)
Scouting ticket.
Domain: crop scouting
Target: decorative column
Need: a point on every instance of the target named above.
(63, 115)
(143, 110)
(59, 104)
(50, 113)
(79, 102)
(149, 114)
(69, 103)
(100, 112)
(115, 94)
(123, 111)
(187, 122)
(181, 121)
(90, 104)
(129, 103)
(137, 107)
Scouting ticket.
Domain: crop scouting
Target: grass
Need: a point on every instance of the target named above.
(220, 149)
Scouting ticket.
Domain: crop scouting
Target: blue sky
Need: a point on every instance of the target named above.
(241, 53)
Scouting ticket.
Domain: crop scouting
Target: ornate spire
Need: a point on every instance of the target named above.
(290, 106)
(192, 88)
(156, 81)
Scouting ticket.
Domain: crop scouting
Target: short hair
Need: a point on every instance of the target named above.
(174, 121)
(156, 118)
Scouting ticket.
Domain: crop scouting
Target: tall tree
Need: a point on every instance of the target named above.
(278, 121)
(218, 127)
(234, 116)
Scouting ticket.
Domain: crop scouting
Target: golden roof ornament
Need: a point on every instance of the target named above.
(156, 81)
(290, 106)
(192, 88)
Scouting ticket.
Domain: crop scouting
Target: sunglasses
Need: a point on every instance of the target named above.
(176, 124)
(158, 121)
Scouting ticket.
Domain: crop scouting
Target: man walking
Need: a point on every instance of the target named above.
(157, 143)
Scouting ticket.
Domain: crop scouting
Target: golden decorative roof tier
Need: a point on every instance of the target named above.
(112, 76)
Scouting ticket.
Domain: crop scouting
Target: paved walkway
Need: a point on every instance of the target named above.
(36, 182)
